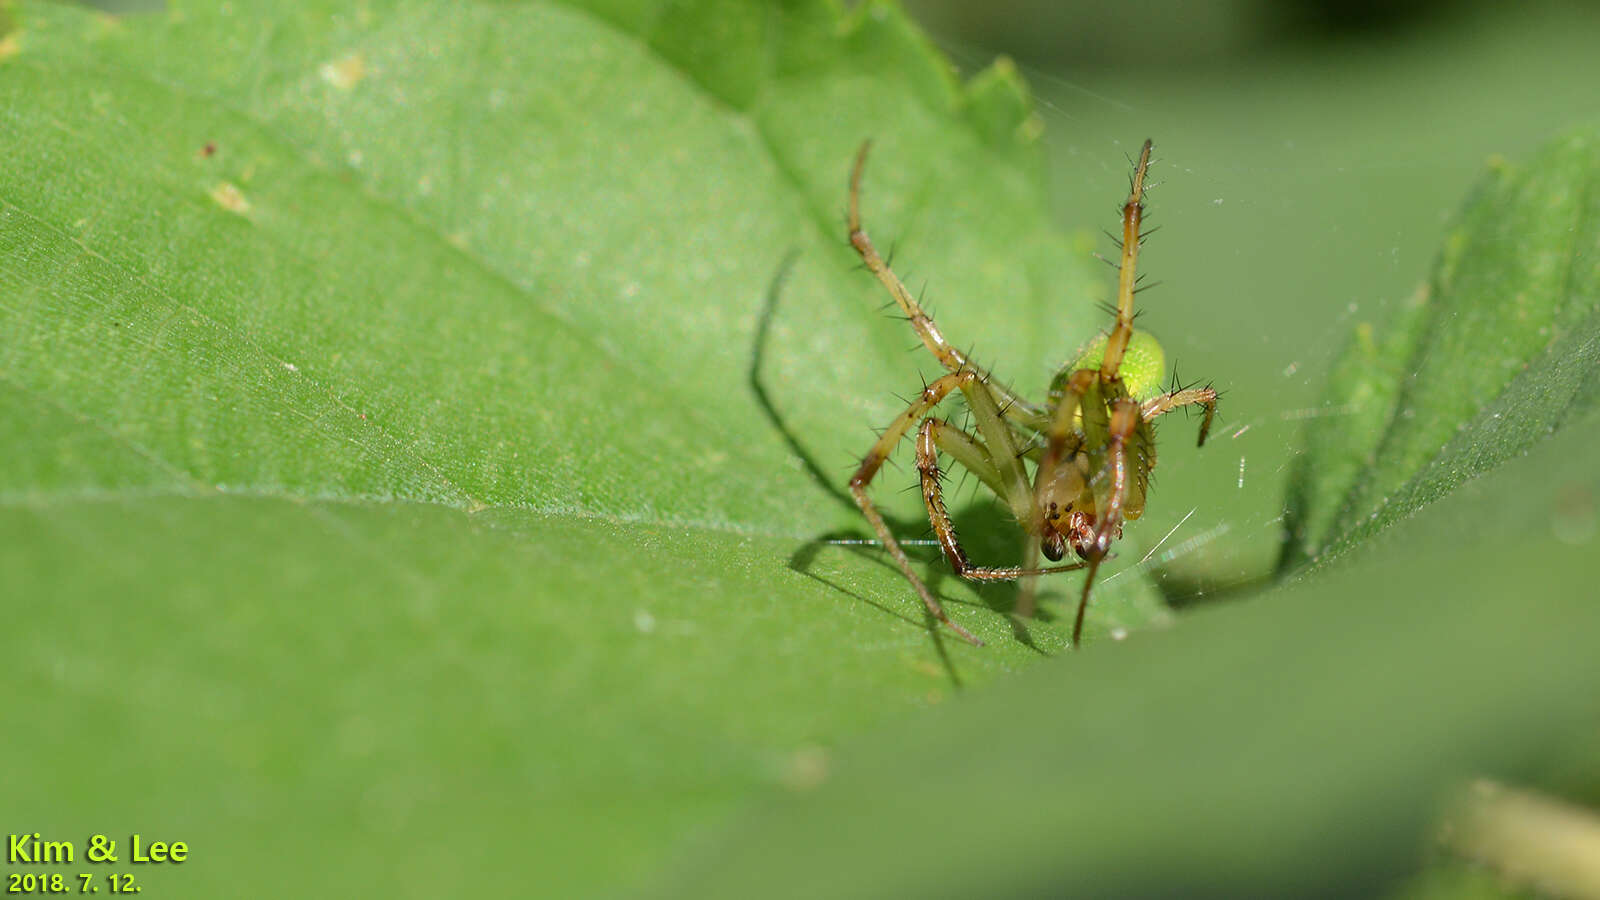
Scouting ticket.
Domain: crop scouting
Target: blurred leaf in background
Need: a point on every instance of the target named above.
(1497, 352)
(1168, 34)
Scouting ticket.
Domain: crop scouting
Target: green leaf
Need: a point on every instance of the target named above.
(1299, 744)
(1296, 745)
(422, 422)
(1495, 354)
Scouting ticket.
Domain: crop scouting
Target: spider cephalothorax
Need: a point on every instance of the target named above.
(1091, 444)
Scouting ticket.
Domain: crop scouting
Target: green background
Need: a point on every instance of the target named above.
(423, 426)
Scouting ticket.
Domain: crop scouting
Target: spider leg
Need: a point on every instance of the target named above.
(1002, 449)
(948, 355)
(1083, 602)
(930, 437)
(1166, 403)
(1028, 593)
(1132, 213)
(1125, 421)
(873, 462)
(1061, 423)
(968, 451)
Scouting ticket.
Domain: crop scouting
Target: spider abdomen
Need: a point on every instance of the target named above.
(1144, 365)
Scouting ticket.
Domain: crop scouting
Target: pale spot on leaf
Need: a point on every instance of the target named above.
(344, 73)
(230, 198)
(644, 621)
(807, 769)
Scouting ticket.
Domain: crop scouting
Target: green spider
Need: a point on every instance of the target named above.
(1092, 444)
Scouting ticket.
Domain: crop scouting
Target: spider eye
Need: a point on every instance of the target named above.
(1054, 546)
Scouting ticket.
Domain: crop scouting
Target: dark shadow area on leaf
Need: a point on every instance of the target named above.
(998, 544)
(992, 537)
(758, 353)
(805, 556)
(1186, 592)
(802, 559)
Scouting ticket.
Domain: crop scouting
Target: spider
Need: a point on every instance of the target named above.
(1091, 443)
